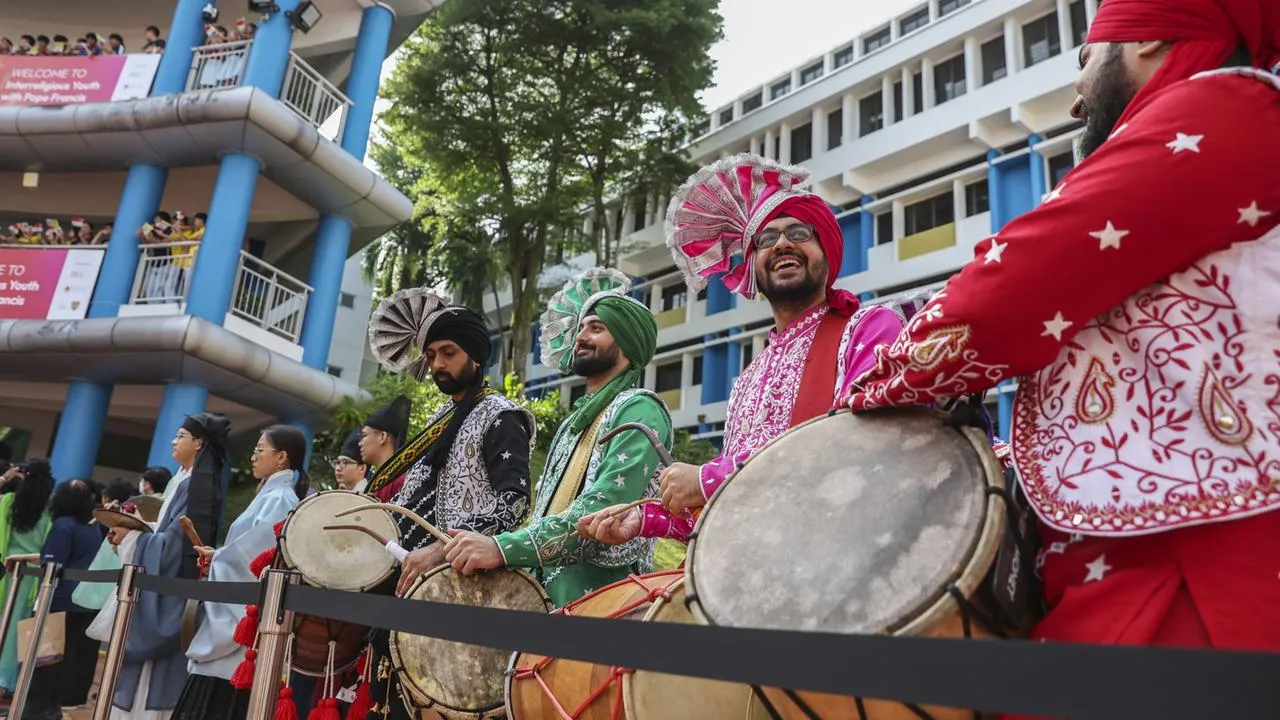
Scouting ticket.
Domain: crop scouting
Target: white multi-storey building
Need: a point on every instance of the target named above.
(926, 134)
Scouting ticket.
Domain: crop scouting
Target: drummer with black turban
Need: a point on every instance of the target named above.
(469, 468)
(155, 667)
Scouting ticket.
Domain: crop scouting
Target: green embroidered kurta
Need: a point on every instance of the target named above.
(624, 470)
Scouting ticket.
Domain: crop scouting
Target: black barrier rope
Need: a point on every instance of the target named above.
(1082, 682)
(93, 576)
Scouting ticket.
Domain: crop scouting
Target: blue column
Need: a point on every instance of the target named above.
(867, 239)
(714, 361)
(733, 361)
(1004, 408)
(186, 32)
(269, 56)
(366, 71)
(143, 189)
(75, 447)
(309, 432)
(994, 201)
(1038, 171)
(214, 275)
(180, 400)
(333, 236)
(718, 299)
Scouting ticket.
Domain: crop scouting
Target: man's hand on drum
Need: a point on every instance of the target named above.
(681, 487)
(418, 562)
(606, 527)
(470, 552)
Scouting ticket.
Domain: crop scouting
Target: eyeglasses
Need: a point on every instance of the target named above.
(797, 234)
(342, 463)
(258, 450)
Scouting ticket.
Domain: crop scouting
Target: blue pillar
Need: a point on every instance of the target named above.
(214, 275)
(994, 201)
(1038, 171)
(269, 56)
(867, 239)
(75, 447)
(714, 361)
(733, 361)
(366, 71)
(309, 432)
(180, 400)
(1004, 408)
(718, 299)
(143, 189)
(328, 258)
(186, 32)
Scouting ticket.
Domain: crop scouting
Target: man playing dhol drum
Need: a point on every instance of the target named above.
(821, 339)
(471, 463)
(593, 329)
(1139, 304)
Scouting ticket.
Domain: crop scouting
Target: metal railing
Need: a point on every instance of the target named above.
(164, 273)
(273, 300)
(304, 91)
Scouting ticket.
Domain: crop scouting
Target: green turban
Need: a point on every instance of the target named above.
(636, 331)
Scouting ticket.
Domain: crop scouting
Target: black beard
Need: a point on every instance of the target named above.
(596, 363)
(793, 290)
(450, 385)
(1108, 99)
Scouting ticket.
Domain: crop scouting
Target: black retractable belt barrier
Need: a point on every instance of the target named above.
(93, 576)
(232, 593)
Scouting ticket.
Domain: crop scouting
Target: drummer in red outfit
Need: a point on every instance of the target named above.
(1140, 307)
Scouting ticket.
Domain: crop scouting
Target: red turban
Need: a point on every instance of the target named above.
(812, 210)
(1205, 34)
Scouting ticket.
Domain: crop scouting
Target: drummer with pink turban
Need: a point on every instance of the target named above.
(792, 249)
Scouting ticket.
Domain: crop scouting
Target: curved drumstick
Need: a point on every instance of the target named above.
(185, 523)
(403, 511)
(393, 547)
(663, 453)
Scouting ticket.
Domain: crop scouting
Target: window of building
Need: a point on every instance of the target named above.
(994, 61)
(346, 300)
(914, 21)
(667, 377)
(674, 296)
(976, 198)
(777, 148)
(702, 128)
(946, 7)
(1059, 166)
(1079, 23)
(917, 91)
(697, 370)
(835, 128)
(576, 392)
(780, 88)
(748, 352)
(898, 114)
(618, 217)
(640, 217)
(884, 227)
(802, 143)
(726, 116)
(843, 56)
(948, 79)
(929, 214)
(752, 103)
(335, 371)
(870, 114)
(811, 73)
(1040, 39)
(876, 40)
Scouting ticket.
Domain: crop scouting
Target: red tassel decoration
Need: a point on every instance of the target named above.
(242, 678)
(247, 629)
(261, 562)
(326, 709)
(286, 708)
(278, 528)
(363, 702)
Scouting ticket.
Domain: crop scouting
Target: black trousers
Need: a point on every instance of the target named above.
(66, 683)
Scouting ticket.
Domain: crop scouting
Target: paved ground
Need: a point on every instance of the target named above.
(82, 713)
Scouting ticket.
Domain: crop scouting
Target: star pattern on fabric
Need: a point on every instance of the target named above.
(506, 455)
(996, 253)
(622, 457)
(646, 471)
(1109, 237)
(524, 482)
(1098, 569)
(620, 480)
(1056, 327)
(1055, 193)
(1185, 143)
(1251, 215)
(497, 422)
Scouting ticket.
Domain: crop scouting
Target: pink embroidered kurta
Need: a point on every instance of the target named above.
(765, 394)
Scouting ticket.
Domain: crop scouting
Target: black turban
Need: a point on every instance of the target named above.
(464, 327)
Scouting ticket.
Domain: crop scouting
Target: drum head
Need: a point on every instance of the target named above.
(464, 679)
(848, 523)
(337, 559)
(657, 696)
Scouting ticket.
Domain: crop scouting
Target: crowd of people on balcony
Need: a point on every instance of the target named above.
(169, 243)
(51, 231)
(90, 44)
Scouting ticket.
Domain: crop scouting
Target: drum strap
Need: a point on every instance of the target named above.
(818, 380)
(576, 472)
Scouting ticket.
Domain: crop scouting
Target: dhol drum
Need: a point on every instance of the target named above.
(337, 560)
(898, 529)
(455, 681)
(543, 688)
(657, 696)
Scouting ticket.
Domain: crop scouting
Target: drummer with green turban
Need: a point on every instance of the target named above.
(593, 329)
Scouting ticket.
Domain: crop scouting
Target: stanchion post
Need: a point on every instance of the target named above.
(126, 597)
(12, 569)
(48, 582)
(275, 623)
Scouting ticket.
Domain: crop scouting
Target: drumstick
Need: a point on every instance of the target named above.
(185, 523)
(648, 432)
(623, 509)
(422, 523)
(393, 547)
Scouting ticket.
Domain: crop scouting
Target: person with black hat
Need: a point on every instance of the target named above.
(380, 441)
(349, 468)
(154, 670)
(470, 467)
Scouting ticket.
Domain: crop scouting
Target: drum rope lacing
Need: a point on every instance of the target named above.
(616, 674)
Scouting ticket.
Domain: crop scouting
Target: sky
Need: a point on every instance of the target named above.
(762, 39)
